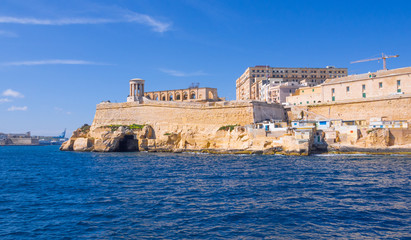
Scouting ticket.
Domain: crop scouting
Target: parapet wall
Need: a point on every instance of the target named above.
(210, 114)
(392, 108)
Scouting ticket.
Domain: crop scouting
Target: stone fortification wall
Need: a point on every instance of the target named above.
(160, 113)
(24, 141)
(392, 108)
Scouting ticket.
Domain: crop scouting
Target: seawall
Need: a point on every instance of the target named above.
(209, 114)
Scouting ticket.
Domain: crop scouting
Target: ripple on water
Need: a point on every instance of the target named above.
(45, 193)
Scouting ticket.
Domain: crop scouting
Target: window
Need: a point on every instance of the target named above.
(363, 87)
(398, 82)
(308, 102)
(253, 70)
(380, 84)
(398, 86)
(347, 89)
(364, 95)
(313, 89)
(332, 90)
(303, 90)
(333, 98)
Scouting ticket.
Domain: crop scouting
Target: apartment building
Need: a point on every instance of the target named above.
(249, 84)
(277, 92)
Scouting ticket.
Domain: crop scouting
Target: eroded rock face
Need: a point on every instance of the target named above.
(82, 144)
(102, 140)
(181, 138)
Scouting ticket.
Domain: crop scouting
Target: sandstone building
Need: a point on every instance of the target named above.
(150, 108)
(277, 93)
(249, 84)
(189, 94)
(368, 86)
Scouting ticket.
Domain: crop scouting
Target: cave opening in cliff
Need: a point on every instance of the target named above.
(128, 144)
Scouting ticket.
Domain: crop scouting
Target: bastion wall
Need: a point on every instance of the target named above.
(391, 108)
(163, 113)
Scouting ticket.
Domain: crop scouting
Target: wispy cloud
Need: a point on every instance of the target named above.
(14, 108)
(177, 73)
(12, 93)
(156, 25)
(4, 100)
(62, 21)
(132, 17)
(61, 110)
(51, 62)
(7, 34)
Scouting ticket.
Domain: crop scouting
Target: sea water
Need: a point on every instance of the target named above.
(49, 194)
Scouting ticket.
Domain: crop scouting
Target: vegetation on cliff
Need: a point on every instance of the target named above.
(84, 129)
(114, 127)
(228, 127)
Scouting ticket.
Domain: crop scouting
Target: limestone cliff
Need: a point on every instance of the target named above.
(226, 139)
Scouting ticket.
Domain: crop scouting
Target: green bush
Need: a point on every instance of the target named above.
(85, 128)
(135, 126)
(114, 127)
(228, 127)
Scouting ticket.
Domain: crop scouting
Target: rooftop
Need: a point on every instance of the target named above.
(363, 76)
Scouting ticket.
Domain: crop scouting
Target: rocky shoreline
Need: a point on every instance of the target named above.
(225, 140)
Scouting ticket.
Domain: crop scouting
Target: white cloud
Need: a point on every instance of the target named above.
(14, 108)
(156, 25)
(12, 93)
(7, 34)
(177, 73)
(61, 110)
(4, 100)
(51, 61)
(63, 21)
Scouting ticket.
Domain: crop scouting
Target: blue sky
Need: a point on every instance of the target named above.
(60, 58)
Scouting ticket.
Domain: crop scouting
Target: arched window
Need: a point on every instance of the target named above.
(178, 96)
(185, 96)
(171, 97)
(193, 95)
(163, 98)
(148, 96)
(156, 97)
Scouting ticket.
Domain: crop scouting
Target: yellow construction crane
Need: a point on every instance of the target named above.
(383, 57)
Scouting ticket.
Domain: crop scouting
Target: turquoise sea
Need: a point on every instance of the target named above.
(48, 194)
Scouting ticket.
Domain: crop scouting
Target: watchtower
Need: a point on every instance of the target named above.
(136, 90)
